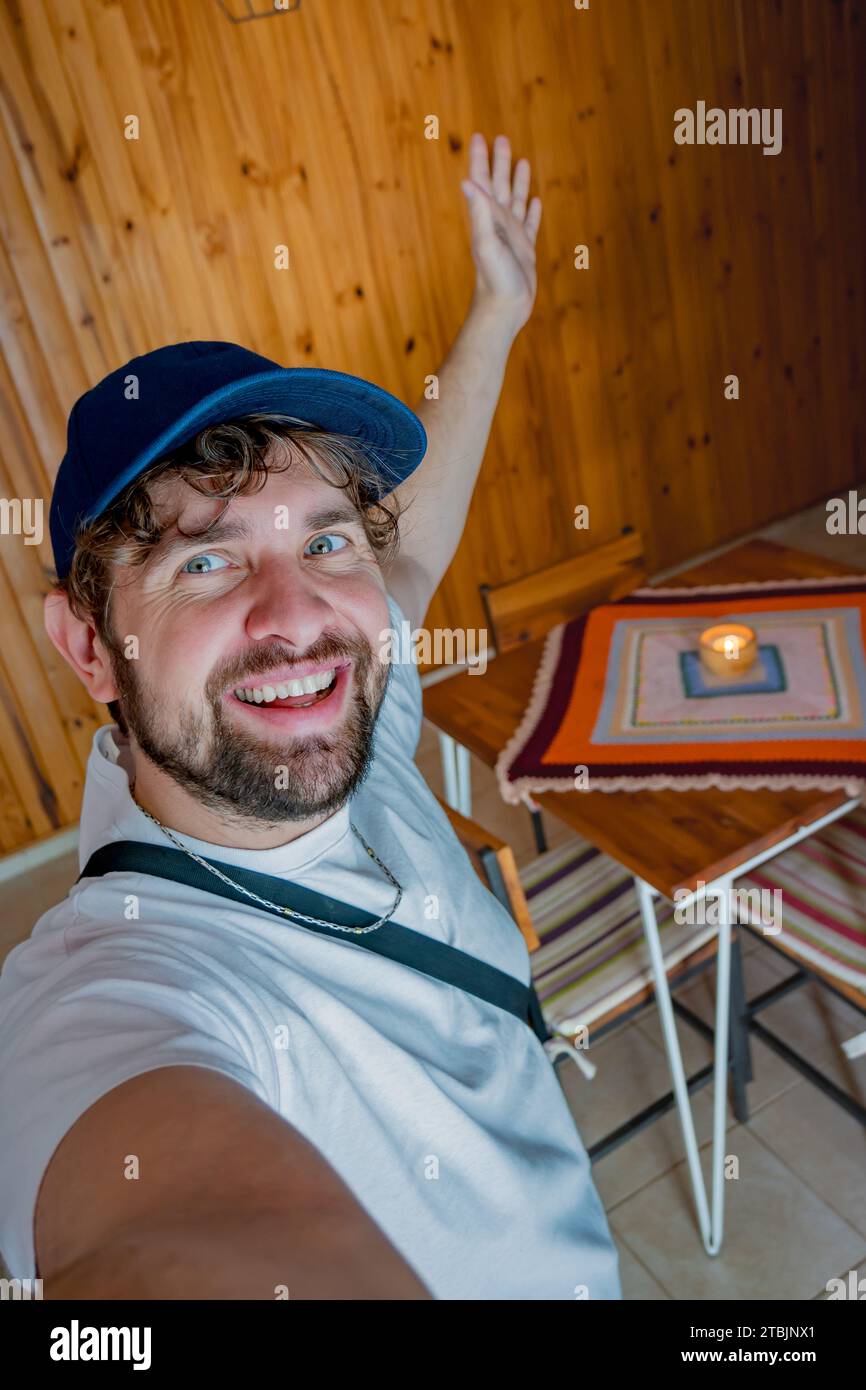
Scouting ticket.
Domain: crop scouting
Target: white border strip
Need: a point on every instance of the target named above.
(22, 861)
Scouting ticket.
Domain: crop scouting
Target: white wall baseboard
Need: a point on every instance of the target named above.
(22, 861)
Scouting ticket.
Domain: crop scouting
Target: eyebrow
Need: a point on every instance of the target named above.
(235, 528)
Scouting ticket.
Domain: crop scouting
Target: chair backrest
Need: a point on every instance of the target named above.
(522, 609)
(494, 862)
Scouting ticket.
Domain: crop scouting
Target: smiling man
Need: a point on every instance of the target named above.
(221, 1077)
(235, 726)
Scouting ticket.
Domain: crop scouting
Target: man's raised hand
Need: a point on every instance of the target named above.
(504, 230)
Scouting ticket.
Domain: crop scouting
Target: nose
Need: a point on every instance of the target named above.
(288, 605)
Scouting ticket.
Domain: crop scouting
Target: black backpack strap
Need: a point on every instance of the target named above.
(396, 942)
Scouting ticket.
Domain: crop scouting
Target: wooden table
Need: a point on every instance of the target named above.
(674, 842)
(670, 839)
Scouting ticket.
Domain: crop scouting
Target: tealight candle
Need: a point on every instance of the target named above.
(728, 649)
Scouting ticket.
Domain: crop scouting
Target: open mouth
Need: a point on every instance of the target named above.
(292, 694)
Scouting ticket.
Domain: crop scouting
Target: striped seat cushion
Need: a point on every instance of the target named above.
(593, 954)
(822, 887)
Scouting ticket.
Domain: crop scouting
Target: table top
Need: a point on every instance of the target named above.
(671, 839)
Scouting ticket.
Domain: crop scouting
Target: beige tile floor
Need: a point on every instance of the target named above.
(796, 1214)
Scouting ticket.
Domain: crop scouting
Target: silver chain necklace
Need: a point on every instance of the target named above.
(277, 907)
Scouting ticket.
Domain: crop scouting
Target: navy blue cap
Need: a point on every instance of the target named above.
(120, 427)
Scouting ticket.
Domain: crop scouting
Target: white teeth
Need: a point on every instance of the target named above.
(310, 685)
(264, 694)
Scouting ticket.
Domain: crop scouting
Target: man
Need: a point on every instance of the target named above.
(202, 1095)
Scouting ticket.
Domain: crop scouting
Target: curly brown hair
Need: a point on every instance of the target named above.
(225, 460)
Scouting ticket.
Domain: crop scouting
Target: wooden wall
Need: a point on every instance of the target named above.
(307, 128)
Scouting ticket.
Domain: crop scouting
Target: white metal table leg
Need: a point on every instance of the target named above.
(720, 1073)
(456, 774)
(711, 1230)
(464, 784)
(447, 748)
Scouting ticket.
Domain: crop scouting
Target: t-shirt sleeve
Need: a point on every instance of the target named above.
(401, 716)
(72, 1027)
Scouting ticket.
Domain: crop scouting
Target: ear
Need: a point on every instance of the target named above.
(79, 644)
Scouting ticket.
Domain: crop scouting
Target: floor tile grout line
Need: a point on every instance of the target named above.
(821, 1198)
(821, 1292)
(620, 1236)
(635, 1256)
(754, 1109)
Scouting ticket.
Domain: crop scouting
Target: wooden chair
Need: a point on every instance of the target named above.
(523, 609)
(822, 935)
(494, 862)
(579, 914)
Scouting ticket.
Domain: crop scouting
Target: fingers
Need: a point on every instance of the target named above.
(499, 185)
(479, 171)
(533, 220)
(502, 170)
(520, 193)
(481, 211)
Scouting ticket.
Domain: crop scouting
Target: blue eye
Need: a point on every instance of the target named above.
(328, 536)
(197, 559)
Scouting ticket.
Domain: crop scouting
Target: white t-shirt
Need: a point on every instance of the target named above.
(441, 1112)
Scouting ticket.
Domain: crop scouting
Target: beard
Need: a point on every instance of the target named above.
(251, 777)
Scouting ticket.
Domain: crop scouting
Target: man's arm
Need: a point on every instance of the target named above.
(230, 1202)
(437, 495)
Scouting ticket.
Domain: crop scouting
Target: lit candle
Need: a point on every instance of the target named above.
(728, 649)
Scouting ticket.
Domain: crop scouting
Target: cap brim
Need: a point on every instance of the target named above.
(394, 437)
